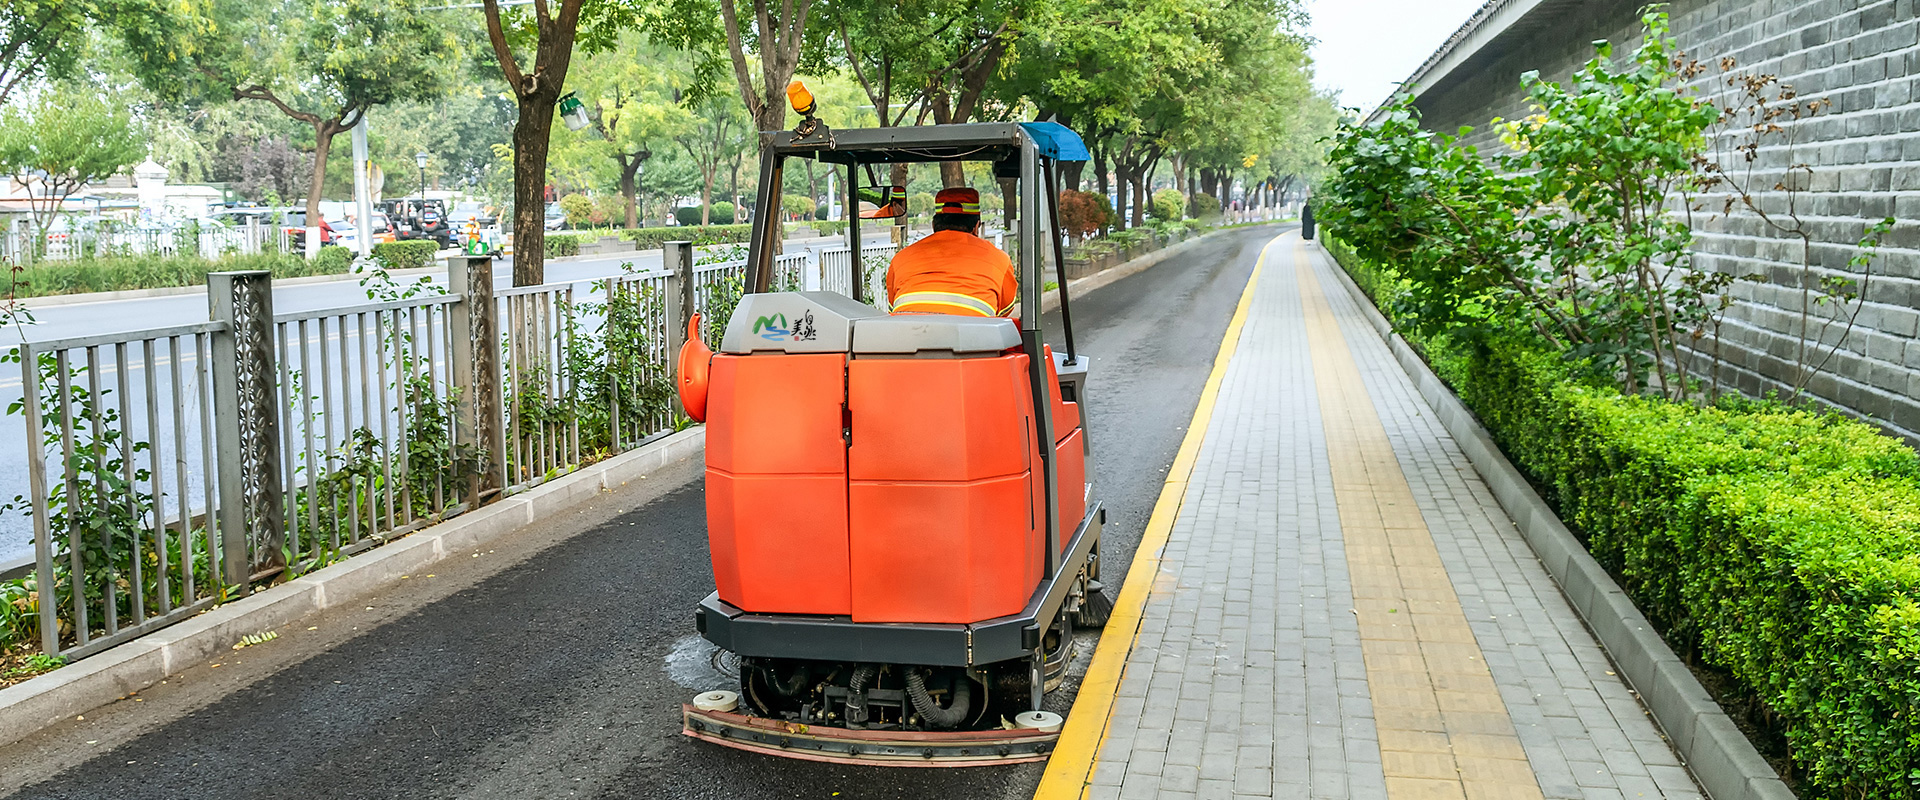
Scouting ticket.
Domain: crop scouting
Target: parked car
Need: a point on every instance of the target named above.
(555, 216)
(414, 218)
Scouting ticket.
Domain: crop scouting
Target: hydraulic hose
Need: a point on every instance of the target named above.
(857, 694)
(931, 711)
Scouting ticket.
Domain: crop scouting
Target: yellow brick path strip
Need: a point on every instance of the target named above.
(1072, 761)
(1444, 731)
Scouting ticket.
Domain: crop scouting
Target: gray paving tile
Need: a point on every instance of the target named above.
(1247, 680)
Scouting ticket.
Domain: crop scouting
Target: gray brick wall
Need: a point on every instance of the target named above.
(1865, 151)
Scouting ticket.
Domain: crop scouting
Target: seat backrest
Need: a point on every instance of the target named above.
(794, 322)
(934, 335)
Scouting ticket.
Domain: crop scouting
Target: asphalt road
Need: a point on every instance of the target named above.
(112, 316)
(555, 666)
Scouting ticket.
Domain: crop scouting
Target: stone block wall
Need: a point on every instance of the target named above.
(1864, 151)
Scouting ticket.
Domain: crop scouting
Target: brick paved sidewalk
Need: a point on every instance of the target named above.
(1343, 611)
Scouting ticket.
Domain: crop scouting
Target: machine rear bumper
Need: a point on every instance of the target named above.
(879, 748)
(839, 638)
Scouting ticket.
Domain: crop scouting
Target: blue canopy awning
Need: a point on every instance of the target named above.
(1056, 142)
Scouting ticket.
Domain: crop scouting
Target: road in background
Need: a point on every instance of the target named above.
(561, 672)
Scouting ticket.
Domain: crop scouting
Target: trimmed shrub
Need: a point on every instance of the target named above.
(119, 273)
(722, 213)
(566, 244)
(687, 215)
(820, 212)
(410, 254)
(832, 227)
(650, 238)
(1167, 205)
(1081, 214)
(1203, 206)
(333, 259)
(1782, 545)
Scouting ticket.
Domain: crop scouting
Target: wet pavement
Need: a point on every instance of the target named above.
(555, 666)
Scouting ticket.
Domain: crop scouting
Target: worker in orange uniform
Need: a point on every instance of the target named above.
(953, 271)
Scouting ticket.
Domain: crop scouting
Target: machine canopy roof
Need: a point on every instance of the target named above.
(1056, 141)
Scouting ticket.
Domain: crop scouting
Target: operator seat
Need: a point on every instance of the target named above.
(882, 467)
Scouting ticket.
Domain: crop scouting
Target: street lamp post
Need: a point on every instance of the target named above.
(421, 159)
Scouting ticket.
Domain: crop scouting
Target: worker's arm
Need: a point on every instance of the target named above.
(1009, 289)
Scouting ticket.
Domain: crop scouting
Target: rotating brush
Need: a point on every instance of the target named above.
(1094, 609)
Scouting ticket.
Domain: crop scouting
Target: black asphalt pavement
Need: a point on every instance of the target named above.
(555, 665)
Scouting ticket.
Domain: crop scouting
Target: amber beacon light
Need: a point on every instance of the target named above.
(800, 98)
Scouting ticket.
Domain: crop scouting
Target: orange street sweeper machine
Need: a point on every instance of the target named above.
(899, 510)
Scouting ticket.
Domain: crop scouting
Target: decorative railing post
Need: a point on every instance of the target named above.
(473, 326)
(677, 258)
(246, 406)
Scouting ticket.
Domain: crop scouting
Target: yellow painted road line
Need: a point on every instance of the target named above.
(1444, 730)
(1072, 762)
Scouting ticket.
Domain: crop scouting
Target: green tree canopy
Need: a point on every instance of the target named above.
(65, 138)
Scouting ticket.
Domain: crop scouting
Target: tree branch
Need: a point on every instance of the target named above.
(509, 65)
(736, 50)
(258, 92)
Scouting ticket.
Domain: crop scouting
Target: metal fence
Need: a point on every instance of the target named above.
(177, 467)
(173, 468)
(207, 241)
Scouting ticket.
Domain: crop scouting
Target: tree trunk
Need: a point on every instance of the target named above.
(322, 144)
(1100, 175)
(530, 140)
(628, 190)
(1139, 198)
(813, 188)
(706, 200)
(1070, 172)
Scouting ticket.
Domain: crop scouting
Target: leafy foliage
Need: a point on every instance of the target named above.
(1083, 214)
(1168, 205)
(116, 273)
(65, 139)
(409, 254)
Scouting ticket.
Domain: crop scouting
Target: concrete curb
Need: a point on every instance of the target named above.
(28, 707)
(1717, 753)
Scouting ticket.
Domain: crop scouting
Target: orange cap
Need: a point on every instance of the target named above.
(800, 98)
(958, 200)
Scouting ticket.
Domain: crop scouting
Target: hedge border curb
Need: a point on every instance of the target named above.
(1716, 752)
(28, 707)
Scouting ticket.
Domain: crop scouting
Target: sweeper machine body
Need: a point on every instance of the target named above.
(899, 510)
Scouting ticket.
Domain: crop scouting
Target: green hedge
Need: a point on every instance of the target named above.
(118, 273)
(566, 244)
(1781, 543)
(410, 254)
(650, 238)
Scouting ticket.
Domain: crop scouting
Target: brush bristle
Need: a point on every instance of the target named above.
(1094, 610)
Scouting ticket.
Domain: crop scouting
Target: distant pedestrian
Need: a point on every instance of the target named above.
(1306, 221)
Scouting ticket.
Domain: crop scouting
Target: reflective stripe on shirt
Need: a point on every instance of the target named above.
(946, 300)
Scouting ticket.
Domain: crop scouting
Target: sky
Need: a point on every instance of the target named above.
(1366, 46)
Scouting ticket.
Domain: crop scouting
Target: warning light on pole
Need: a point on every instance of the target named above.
(800, 98)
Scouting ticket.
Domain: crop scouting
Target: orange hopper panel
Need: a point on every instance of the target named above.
(941, 527)
(776, 483)
(1071, 460)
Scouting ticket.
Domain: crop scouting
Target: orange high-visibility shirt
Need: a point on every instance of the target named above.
(952, 272)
